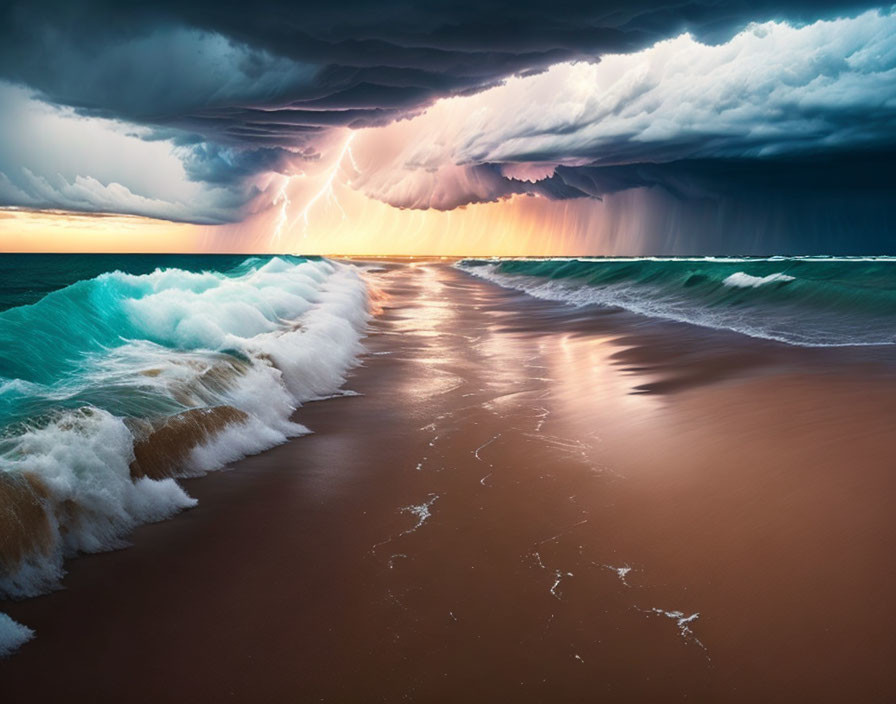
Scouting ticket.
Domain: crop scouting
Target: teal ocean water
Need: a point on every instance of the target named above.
(119, 372)
(26, 278)
(808, 301)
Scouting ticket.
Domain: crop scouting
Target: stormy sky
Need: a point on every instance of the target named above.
(737, 126)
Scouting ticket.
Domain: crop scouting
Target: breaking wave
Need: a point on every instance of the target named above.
(111, 387)
(743, 280)
(808, 301)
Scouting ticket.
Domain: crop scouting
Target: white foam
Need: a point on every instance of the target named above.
(483, 446)
(558, 577)
(13, 635)
(638, 299)
(682, 622)
(83, 460)
(742, 280)
(394, 557)
(621, 572)
(421, 511)
(299, 326)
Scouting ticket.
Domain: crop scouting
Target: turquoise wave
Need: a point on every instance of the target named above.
(26, 278)
(811, 301)
(52, 350)
(114, 384)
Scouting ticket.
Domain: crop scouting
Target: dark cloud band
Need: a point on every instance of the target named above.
(208, 65)
(243, 90)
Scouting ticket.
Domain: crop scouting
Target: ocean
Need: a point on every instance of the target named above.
(806, 301)
(119, 373)
(561, 480)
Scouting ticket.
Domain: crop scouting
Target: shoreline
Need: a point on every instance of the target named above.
(527, 501)
(145, 389)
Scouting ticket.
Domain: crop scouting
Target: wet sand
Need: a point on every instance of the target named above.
(527, 502)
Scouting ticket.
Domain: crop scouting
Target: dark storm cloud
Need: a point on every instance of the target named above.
(209, 65)
(241, 89)
(822, 175)
(215, 164)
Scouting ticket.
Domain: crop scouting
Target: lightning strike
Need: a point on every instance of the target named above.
(283, 200)
(327, 189)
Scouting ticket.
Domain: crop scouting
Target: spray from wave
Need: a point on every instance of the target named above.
(740, 279)
(113, 386)
(808, 301)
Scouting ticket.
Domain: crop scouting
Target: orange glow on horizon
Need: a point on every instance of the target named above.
(350, 223)
(355, 225)
(68, 232)
(325, 209)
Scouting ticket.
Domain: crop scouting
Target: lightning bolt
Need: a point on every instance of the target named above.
(283, 200)
(326, 190)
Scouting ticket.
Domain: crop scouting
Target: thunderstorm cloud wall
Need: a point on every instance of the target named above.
(673, 127)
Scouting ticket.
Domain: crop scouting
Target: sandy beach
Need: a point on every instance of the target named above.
(525, 502)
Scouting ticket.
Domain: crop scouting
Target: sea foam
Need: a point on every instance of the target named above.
(191, 370)
(740, 279)
(806, 301)
(13, 635)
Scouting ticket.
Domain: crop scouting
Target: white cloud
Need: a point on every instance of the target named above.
(773, 89)
(53, 158)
